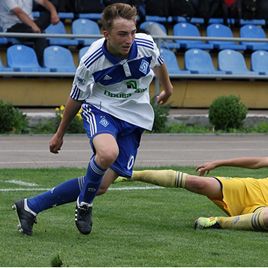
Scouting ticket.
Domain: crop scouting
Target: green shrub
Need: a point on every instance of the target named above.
(47, 126)
(12, 120)
(76, 125)
(227, 112)
(261, 127)
(182, 128)
(161, 114)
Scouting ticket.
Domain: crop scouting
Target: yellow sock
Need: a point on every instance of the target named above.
(251, 221)
(165, 178)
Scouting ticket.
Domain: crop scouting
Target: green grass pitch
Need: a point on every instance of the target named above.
(131, 227)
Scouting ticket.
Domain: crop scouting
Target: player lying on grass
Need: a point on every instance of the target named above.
(244, 200)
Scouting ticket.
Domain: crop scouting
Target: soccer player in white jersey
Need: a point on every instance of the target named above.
(112, 86)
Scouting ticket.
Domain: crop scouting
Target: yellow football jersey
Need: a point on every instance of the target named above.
(242, 195)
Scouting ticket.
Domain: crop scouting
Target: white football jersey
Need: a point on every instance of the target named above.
(119, 87)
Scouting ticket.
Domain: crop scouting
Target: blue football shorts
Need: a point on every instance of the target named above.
(127, 136)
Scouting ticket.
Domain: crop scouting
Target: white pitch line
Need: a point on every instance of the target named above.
(21, 183)
(111, 189)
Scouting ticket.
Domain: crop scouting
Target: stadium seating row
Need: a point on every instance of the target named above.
(90, 27)
(230, 62)
(170, 19)
(21, 58)
(217, 30)
(79, 26)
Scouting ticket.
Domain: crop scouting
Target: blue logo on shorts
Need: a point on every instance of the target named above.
(104, 121)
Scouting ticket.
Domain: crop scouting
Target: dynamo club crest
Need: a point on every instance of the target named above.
(144, 66)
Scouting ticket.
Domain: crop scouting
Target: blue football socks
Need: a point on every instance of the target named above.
(92, 182)
(65, 192)
(85, 188)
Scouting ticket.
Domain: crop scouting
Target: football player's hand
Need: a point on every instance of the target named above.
(55, 144)
(205, 168)
(163, 97)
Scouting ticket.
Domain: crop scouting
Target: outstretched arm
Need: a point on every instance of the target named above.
(245, 162)
(71, 109)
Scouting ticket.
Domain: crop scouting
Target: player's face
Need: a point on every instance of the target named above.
(120, 37)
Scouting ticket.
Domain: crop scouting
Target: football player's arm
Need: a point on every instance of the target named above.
(71, 109)
(23, 17)
(245, 162)
(162, 74)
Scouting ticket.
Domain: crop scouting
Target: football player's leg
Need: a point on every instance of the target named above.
(128, 144)
(63, 193)
(165, 178)
(106, 153)
(101, 130)
(107, 180)
(27, 209)
(257, 221)
(207, 186)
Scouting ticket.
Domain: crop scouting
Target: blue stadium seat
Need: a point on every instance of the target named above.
(62, 15)
(66, 15)
(253, 31)
(189, 30)
(90, 16)
(59, 28)
(82, 52)
(158, 18)
(23, 59)
(3, 41)
(233, 62)
(259, 62)
(220, 30)
(85, 26)
(215, 21)
(252, 22)
(199, 61)
(59, 59)
(171, 62)
(221, 21)
(193, 20)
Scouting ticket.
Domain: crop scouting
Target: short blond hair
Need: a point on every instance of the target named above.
(117, 10)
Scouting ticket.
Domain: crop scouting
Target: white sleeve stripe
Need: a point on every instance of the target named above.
(145, 45)
(93, 54)
(92, 58)
(90, 118)
(160, 60)
(144, 41)
(75, 93)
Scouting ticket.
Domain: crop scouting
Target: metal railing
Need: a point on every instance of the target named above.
(158, 40)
